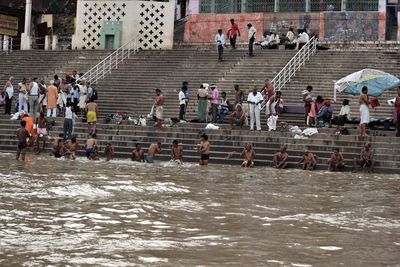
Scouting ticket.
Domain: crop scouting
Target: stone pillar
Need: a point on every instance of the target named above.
(382, 20)
(47, 42)
(398, 28)
(343, 5)
(1, 41)
(5, 45)
(243, 8)
(276, 6)
(26, 39)
(54, 43)
(308, 6)
(212, 6)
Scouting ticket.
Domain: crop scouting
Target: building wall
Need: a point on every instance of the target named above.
(203, 27)
(330, 26)
(152, 21)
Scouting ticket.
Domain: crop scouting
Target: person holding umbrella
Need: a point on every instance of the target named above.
(364, 110)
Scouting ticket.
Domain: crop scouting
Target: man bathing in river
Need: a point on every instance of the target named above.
(366, 159)
(248, 154)
(138, 154)
(72, 147)
(280, 158)
(109, 152)
(177, 152)
(204, 150)
(22, 135)
(90, 147)
(152, 151)
(308, 160)
(337, 161)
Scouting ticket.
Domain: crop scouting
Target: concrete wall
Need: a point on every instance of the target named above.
(153, 21)
(349, 26)
(203, 27)
(330, 26)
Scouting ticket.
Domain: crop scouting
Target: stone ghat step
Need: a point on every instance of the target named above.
(216, 158)
(265, 149)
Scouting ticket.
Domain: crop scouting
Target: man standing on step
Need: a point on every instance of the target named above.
(182, 104)
(252, 37)
(214, 102)
(254, 100)
(220, 40)
(364, 110)
(233, 32)
(158, 106)
(92, 113)
(33, 97)
(9, 90)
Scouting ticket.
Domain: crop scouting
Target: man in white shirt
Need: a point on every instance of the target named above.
(182, 104)
(254, 100)
(303, 38)
(68, 122)
(220, 40)
(252, 37)
(33, 98)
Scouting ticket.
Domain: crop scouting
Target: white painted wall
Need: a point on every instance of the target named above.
(153, 21)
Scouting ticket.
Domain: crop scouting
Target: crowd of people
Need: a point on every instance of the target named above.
(269, 40)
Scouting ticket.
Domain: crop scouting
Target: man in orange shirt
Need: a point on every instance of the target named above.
(52, 96)
(233, 32)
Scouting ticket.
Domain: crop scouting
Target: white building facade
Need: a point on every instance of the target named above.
(102, 24)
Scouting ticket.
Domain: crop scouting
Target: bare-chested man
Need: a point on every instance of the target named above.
(366, 159)
(109, 152)
(72, 147)
(159, 109)
(280, 158)
(91, 115)
(90, 147)
(337, 161)
(364, 110)
(204, 150)
(239, 95)
(177, 152)
(308, 160)
(249, 155)
(138, 154)
(152, 151)
(22, 135)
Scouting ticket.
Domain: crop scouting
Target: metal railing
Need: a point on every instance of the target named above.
(297, 61)
(7, 45)
(104, 67)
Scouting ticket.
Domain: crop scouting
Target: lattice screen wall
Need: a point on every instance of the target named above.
(152, 21)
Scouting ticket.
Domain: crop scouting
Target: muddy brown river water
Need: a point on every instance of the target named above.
(63, 213)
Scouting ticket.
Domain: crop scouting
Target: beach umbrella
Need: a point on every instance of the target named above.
(377, 82)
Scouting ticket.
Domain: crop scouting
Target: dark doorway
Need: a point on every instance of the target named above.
(391, 21)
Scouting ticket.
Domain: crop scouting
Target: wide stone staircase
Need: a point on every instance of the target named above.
(45, 64)
(130, 88)
(226, 144)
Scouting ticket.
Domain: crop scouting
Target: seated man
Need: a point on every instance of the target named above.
(366, 159)
(176, 152)
(248, 154)
(265, 41)
(344, 115)
(308, 160)
(237, 118)
(337, 161)
(223, 107)
(325, 113)
(280, 158)
(58, 148)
